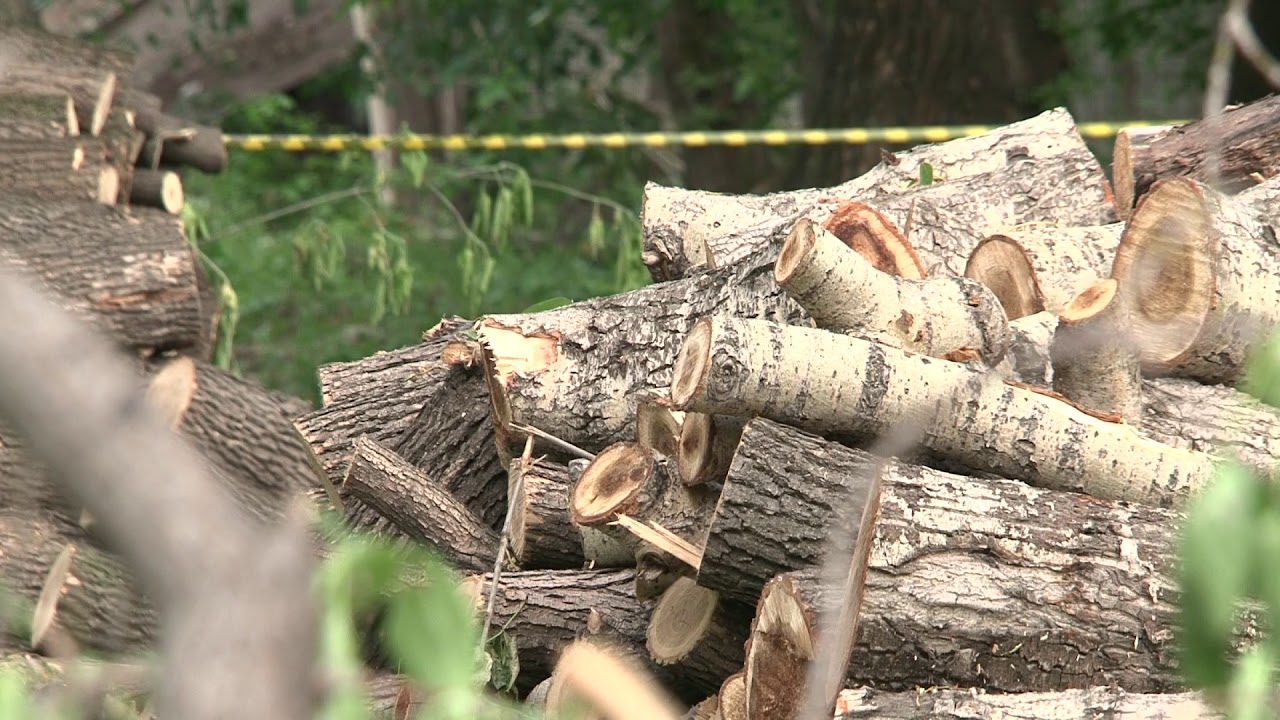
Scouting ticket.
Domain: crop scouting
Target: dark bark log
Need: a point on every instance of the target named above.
(388, 372)
(185, 146)
(239, 426)
(128, 272)
(577, 371)
(66, 169)
(698, 636)
(1246, 139)
(89, 73)
(420, 507)
(102, 611)
(452, 442)
(969, 703)
(542, 535)
(37, 116)
(157, 188)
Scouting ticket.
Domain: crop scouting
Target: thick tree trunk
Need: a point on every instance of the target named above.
(542, 535)
(968, 703)
(452, 442)
(944, 316)
(37, 116)
(1246, 140)
(834, 384)
(952, 600)
(1044, 152)
(41, 63)
(420, 507)
(64, 169)
(1202, 274)
(238, 425)
(101, 610)
(1095, 362)
(129, 273)
(578, 371)
(1039, 268)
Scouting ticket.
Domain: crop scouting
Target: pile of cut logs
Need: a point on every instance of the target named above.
(993, 379)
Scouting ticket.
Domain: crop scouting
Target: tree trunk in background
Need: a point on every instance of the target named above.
(916, 62)
(17, 12)
(1247, 84)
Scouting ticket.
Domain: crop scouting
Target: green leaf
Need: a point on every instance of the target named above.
(416, 163)
(595, 231)
(549, 304)
(503, 211)
(1251, 687)
(14, 701)
(926, 174)
(483, 213)
(523, 189)
(1262, 375)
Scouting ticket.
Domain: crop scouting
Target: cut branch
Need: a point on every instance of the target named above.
(707, 444)
(1095, 362)
(542, 535)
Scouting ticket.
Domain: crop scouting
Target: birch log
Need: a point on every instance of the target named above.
(1095, 362)
(969, 703)
(832, 383)
(681, 226)
(944, 316)
(1201, 272)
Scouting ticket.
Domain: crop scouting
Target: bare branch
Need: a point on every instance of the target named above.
(237, 617)
(1246, 40)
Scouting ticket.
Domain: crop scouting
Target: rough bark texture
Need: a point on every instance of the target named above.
(787, 493)
(1095, 362)
(831, 383)
(420, 507)
(940, 316)
(1100, 703)
(388, 372)
(129, 272)
(1042, 152)
(101, 611)
(93, 89)
(452, 442)
(1247, 140)
(1001, 585)
(1061, 263)
(173, 142)
(37, 116)
(1215, 259)
(542, 535)
(238, 425)
(1028, 359)
(577, 371)
(157, 188)
(65, 168)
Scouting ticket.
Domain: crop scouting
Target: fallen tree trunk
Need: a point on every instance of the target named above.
(175, 142)
(419, 507)
(64, 169)
(1201, 273)
(542, 535)
(92, 92)
(239, 426)
(578, 371)
(944, 316)
(129, 273)
(681, 226)
(452, 442)
(831, 383)
(968, 703)
(1245, 139)
(1042, 267)
(1019, 620)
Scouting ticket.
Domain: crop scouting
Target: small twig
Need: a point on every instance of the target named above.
(300, 206)
(503, 539)
(653, 533)
(562, 444)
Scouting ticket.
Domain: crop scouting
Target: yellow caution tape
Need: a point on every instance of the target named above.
(734, 138)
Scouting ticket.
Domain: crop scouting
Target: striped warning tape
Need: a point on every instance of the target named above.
(848, 136)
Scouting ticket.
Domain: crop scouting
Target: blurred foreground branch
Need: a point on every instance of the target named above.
(237, 616)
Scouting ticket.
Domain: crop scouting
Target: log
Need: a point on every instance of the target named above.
(831, 383)
(944, 316)
(420, 508)
(1095, 361)
(37, 116)
(1045, 151)
(1042, 267)
(658, 426)
(1202, 273)
(389, 371)
(872, 236)
(238, 425)
(578, 371)
(697, 636)
(452, 442)
(786, 495)
(63, 169)
(1246, 139)
(175, 142)
(969, 703)
(38, 62)
(707, 444)
(129, 273)
(99, 606)
(1027, 360)
(157, 188)
(989, 583)
(542, 535)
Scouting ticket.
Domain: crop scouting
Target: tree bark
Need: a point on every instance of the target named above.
(388, 372)
(658, 426)
(37, 116)
(90, 74)
(967, 703)
(452, 442)
(157, 188)
(64, 169)
(175, 142)
(542, 535)
(834, 384)
(420, 507)
(1246, 140)
(1095, 362)
(128, 273)
(578, 371)
(944, 316)
(239, 426)
(1045, 152)
(1038, 268)
(1000, 585)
